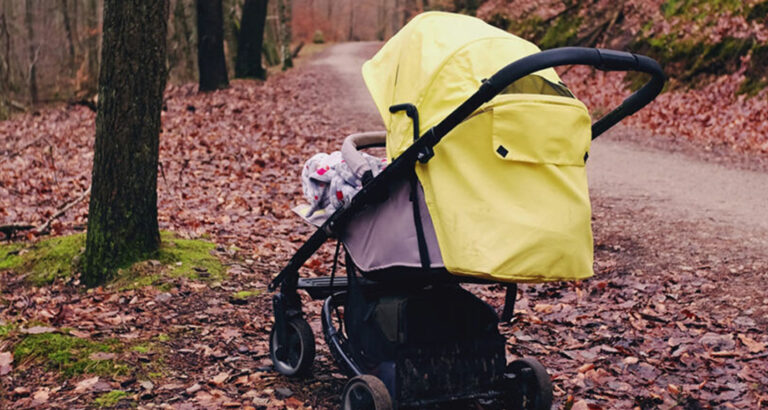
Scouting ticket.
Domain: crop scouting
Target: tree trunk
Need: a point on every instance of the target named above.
(396, 24)
(210, 45)
(351, 34)
(184, 31)
(122, 217)
(231, 31)
(4, 67)
(285, 12)
(92, 46)
(70, 35)
(251, 40)
(33, 52)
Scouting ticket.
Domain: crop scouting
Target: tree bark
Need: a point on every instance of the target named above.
(251, 40)
(92, 46)
(396, 24)
(5, 66)
(184, 34)
(285, 12)
(210, 45)
(70, 35)
(122, 216)
(351, 33)
(33, 52)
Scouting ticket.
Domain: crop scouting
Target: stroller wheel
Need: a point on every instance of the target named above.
(296, 357)
(530, 387)
(365, 392)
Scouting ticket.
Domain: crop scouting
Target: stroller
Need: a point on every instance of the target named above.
(502, 199)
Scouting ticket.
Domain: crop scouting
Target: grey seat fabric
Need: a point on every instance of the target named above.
(384, 235)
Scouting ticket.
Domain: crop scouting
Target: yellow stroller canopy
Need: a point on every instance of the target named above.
(506, 189)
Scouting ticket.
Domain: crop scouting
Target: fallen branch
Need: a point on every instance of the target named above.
(296, 50)
(17, 105)
(10, 230)
(44, 227)
(19, 151)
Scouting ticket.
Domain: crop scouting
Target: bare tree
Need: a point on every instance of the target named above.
(70, 34)
(351, 34)
(33, 52)
(183, 50)
(122, 216)
(396, 17)
(210, 45)
(284, 11)
(92, 45)
(4, 65)
(251, 40)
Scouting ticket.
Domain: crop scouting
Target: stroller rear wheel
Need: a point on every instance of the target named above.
(366, 392)
(296, 356)
(530, 387)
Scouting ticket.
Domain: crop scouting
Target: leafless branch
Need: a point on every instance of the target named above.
(47, 224)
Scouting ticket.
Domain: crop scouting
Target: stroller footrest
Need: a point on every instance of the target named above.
(321, 288)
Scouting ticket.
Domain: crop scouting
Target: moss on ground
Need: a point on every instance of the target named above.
(110, 399)
(69, 355)
(188, 258)
(244, 295)
(5, 330)
(44, 261)
(53, 258)
(696, 10)
(562, 32)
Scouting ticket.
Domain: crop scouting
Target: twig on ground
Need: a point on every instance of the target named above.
(47, 224)
(19, 151)
(10, 230)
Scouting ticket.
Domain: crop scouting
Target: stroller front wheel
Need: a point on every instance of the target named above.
(366, 392)
(530, 387)
(296, 356)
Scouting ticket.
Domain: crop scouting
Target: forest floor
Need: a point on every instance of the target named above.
(675, 316)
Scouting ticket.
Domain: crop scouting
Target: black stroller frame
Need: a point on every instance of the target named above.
(339, 289)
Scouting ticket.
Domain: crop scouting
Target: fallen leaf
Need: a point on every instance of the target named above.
(41, 396)
(101, 356)
(752, 345)
(220, 378)
(6, 359)
(36, 330)
(86, 385)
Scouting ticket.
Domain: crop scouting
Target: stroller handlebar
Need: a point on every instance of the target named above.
(602, 59)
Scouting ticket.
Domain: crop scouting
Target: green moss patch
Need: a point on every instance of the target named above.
(700, 9)
(188, 258)
(242, 297)
(44, 261)
(110, 399)
(71, 356)
(53, 258)
(246, 294)
(6, 330)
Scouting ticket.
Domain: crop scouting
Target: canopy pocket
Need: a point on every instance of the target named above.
(541, 129)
